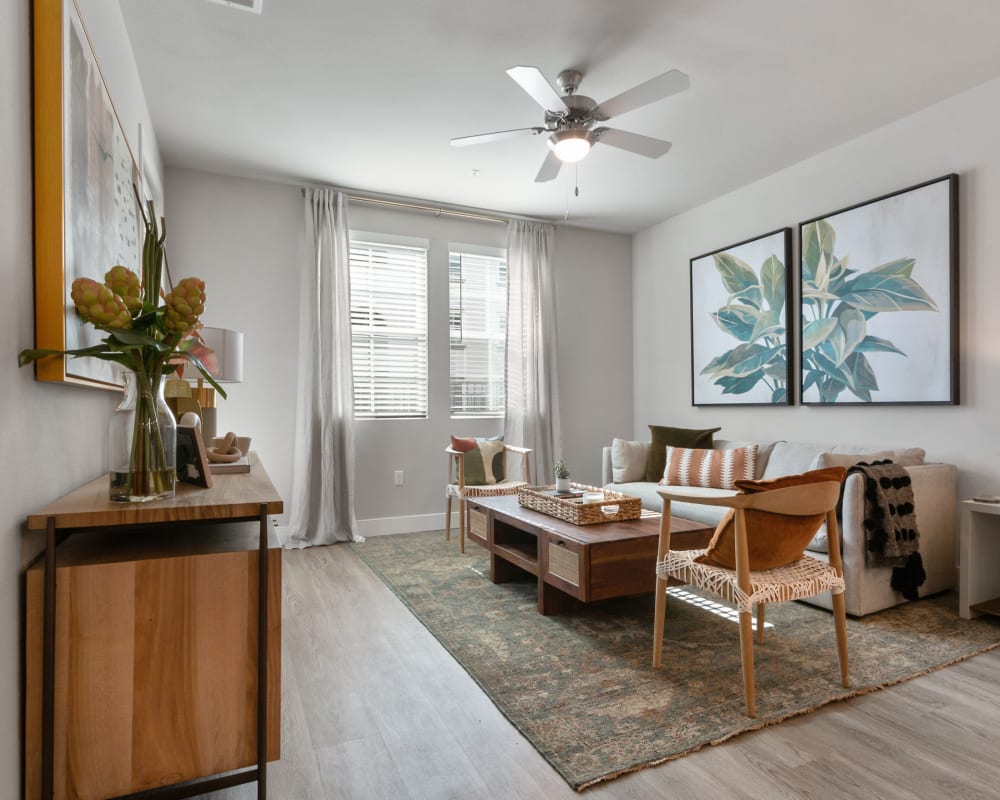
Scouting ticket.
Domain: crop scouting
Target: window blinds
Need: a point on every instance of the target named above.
(389, 329)
(477, 326)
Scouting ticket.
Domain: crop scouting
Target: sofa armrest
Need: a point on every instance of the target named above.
(936, 502)
(606, 466)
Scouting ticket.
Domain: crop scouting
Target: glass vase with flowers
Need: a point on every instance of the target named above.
(150, 334)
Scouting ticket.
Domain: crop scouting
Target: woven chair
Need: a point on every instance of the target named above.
(458, 490)
(745, 588)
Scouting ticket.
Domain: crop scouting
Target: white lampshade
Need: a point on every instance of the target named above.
(228, 347)
(570, 145)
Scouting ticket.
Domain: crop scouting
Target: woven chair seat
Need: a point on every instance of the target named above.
(803, 578)
(497, 489)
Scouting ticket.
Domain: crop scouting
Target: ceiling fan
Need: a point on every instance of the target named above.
(570, 119)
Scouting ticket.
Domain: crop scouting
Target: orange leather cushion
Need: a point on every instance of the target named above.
(773, 540)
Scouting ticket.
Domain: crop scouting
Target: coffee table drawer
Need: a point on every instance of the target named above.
(479, 524)
(566, 566)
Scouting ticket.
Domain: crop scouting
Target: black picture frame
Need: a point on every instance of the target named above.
(741, 350)
(878, 307)
(192, 461)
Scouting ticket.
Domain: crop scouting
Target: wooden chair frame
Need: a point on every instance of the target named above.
(806, 500)
(456, 487)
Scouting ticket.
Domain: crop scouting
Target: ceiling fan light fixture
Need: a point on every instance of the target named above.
(570, 145)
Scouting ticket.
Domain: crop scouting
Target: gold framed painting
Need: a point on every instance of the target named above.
(87, 218)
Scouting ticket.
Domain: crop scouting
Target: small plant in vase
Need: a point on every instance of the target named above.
(562, 476)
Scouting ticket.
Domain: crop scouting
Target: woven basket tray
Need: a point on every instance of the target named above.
(575, 510)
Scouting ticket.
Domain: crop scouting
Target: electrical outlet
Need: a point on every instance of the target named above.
(398, 477)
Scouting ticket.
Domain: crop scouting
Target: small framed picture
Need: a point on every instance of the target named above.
(192, 462)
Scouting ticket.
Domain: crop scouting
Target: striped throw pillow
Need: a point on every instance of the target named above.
(715, 469)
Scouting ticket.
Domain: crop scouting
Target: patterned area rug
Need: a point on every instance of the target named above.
(580, 687)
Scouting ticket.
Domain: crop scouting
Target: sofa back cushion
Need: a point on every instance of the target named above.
(773, 540)
(716, 469)
(661, 436)
(848, 460)
(628, 460)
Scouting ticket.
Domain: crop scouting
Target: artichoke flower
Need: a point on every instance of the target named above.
(97, 304)
(184, 306)
(124, 283)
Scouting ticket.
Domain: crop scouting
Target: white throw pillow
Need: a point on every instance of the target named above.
(910, 456)
(628, 460)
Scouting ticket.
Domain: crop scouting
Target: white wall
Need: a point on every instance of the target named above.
(53, 435)
(959, 135)
(243, 237)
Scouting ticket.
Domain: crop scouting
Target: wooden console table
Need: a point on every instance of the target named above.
(154, 657)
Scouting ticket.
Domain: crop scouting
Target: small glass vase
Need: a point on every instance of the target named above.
(142, 442)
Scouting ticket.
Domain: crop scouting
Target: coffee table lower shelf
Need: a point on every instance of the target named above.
(574, 564)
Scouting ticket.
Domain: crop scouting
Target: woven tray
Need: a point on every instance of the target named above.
(576, 511)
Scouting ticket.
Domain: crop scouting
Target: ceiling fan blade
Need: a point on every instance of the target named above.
(652, 90)
(533, 82)
(633, 142)
(550, 168)
(497, 136)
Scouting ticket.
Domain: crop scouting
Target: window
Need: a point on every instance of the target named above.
(477, 325)
(389, 329)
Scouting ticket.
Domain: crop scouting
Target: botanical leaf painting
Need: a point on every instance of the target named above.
(876, 300)
(739, 330)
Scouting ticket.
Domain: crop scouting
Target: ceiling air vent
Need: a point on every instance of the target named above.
(252, 6)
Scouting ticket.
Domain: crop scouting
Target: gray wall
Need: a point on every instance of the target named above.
(53, 435)
(244, 238)
(958, 135)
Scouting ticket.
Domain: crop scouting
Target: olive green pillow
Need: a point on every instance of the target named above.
(662, 436)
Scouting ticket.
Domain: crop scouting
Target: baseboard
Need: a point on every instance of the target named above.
(383, 526)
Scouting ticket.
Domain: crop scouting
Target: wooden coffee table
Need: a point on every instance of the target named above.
(574, 563)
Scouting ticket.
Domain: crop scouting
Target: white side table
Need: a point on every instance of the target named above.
(979, 559)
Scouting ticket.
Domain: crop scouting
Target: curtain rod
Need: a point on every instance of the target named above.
(411, 204)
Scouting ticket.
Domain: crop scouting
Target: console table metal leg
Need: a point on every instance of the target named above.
(262, 591)
(49, 662)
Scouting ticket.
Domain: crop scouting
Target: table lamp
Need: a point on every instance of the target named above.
(227, 368)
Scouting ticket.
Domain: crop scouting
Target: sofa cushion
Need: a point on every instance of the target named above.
(483, 460)
(647, 492)
(628, 460)
(848, 460)
(792, 458)
(662, 435)
(717, 469)
(773, 539)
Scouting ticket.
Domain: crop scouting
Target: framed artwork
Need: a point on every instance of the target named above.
(740, 298)
(879, 299)
(192, 461)
(87, 218)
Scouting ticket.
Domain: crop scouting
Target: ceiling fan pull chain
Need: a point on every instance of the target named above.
(576, 179)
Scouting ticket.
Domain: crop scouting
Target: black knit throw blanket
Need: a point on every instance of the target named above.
(891, 535)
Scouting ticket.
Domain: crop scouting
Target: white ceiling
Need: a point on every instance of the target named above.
(366, 94)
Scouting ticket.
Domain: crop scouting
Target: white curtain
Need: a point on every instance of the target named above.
(532, 412)
(322, 508)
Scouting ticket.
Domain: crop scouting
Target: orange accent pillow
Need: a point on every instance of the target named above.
(773, 540)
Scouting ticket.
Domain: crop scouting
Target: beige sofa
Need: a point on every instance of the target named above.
(868, 589)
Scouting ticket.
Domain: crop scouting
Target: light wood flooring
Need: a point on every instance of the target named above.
(373, 707)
